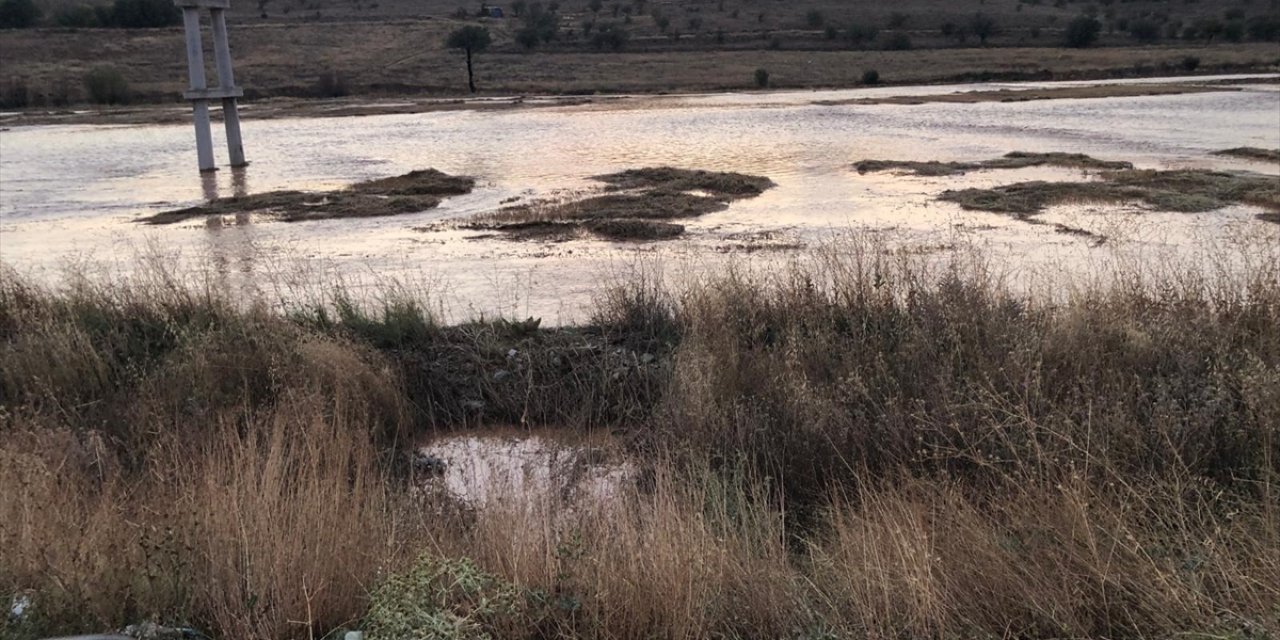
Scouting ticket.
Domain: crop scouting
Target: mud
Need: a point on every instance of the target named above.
(409, 193)
(1012, 160)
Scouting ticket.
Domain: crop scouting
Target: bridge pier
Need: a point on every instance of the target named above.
(200, 93)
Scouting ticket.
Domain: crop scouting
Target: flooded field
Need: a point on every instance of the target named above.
(74, 194)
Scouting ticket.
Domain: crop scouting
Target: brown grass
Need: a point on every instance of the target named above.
(860, 446)
(410, 193)
(407, 57)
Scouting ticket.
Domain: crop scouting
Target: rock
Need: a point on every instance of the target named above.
(500, 375)
(647, 358)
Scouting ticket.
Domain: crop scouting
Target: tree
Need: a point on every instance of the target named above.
(18, 14)
(1082, 32)
(983, 26)
(471, 39)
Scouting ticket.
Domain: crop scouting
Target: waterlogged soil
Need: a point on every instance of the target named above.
(1012, 160)
(1026, 95)
(1251, 153)
(409, 193)
(1187, 191)
(638, 204)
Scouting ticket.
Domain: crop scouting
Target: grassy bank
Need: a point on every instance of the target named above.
(861, 446)
(407, 58)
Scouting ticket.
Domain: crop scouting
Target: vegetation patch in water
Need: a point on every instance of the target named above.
(1189, 191)
(1251, 153)
(637, 206)
(1012, 160)
(409, 193)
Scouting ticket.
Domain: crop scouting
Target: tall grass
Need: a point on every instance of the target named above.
(862, 445)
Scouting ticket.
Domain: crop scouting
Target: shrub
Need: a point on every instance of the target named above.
(862, 33)
(77, 16)
(1265, 28)
(16, 95)
(870, 76)
(1082, 32)
(762, 78)
(106, 85)
(815, 19)
(897, 20)
(144, 14)
(331, 84)
(18, 14)
(983, 26)
(1190, 63)
(1233, 31)
(1145, 31)
(899, 41)
(611, 37)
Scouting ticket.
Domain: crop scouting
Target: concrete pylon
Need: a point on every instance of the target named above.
(200, 93)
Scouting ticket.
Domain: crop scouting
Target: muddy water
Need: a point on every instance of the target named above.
(70, 194)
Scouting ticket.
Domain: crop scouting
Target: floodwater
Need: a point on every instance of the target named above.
(70, 195)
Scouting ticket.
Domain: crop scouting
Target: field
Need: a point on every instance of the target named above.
(865, 445)
(318, 48)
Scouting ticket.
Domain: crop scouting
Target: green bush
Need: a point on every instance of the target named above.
(870, 76)
(443, 599)
(77, 16)
(1190, 63)
(762, 78)
(1082, 32)
(18, 14)
(106, 85)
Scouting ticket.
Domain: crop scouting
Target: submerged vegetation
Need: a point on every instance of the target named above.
(862, 445)
(1186, 191)
(1252, 153)
(1011, 160)
(412, 192)
(638, 205)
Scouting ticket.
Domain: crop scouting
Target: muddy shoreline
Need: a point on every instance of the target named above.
(276, 108)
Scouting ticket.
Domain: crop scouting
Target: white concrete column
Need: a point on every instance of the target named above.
(227, 80)
(222, 49)
(195, 69)
(231, 119)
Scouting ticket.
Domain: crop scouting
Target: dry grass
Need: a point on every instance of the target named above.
(410, 193)
(407, 57)
(860, 446)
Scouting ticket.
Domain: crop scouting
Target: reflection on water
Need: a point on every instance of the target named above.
(68, 190)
